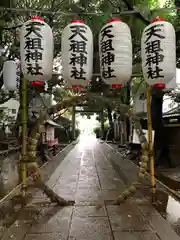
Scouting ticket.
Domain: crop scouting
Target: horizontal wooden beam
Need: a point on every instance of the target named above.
(172, 125)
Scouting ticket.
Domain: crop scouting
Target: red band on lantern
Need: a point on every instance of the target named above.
(114, 20)
(157, 19)
(77, 21)
(37, 18)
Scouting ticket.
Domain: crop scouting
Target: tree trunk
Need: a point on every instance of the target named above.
(103, 135)
(109, 115)
(160, 144)
(111, 125)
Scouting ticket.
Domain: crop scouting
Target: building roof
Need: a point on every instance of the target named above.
(174, 110)
(168, 114)
(54, 124)
(62, 121)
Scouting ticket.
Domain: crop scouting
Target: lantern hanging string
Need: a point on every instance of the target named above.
(126, 12)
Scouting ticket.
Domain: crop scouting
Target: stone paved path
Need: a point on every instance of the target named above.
(87, 177)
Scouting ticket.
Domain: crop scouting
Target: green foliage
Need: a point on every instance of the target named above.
(4, 116)
(77, 132)
(6, 95)
(138, 85)
(62, 92)
(98, 131)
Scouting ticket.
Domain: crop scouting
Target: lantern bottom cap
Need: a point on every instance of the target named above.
(159, 85)
(116, 85)
(77, 86)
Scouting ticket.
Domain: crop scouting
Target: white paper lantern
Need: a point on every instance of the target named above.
(36, 49)
(115, 47)
(158, 53)
(10, 75)
(77, 54)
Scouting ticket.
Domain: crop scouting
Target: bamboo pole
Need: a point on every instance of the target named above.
(24, 137)
(150, 142)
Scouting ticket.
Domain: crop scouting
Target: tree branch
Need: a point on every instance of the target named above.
(118, 7)
(1, 80)
(139, 15)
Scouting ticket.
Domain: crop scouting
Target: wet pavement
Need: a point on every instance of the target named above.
(86, 176)
(9, 177)
(167, 205)
(8, 173)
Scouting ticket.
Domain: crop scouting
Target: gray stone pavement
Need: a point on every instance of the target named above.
(87, 177)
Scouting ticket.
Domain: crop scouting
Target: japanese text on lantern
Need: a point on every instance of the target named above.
(153, 51)
(78, 49)
(33, 48)
(107, 56)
